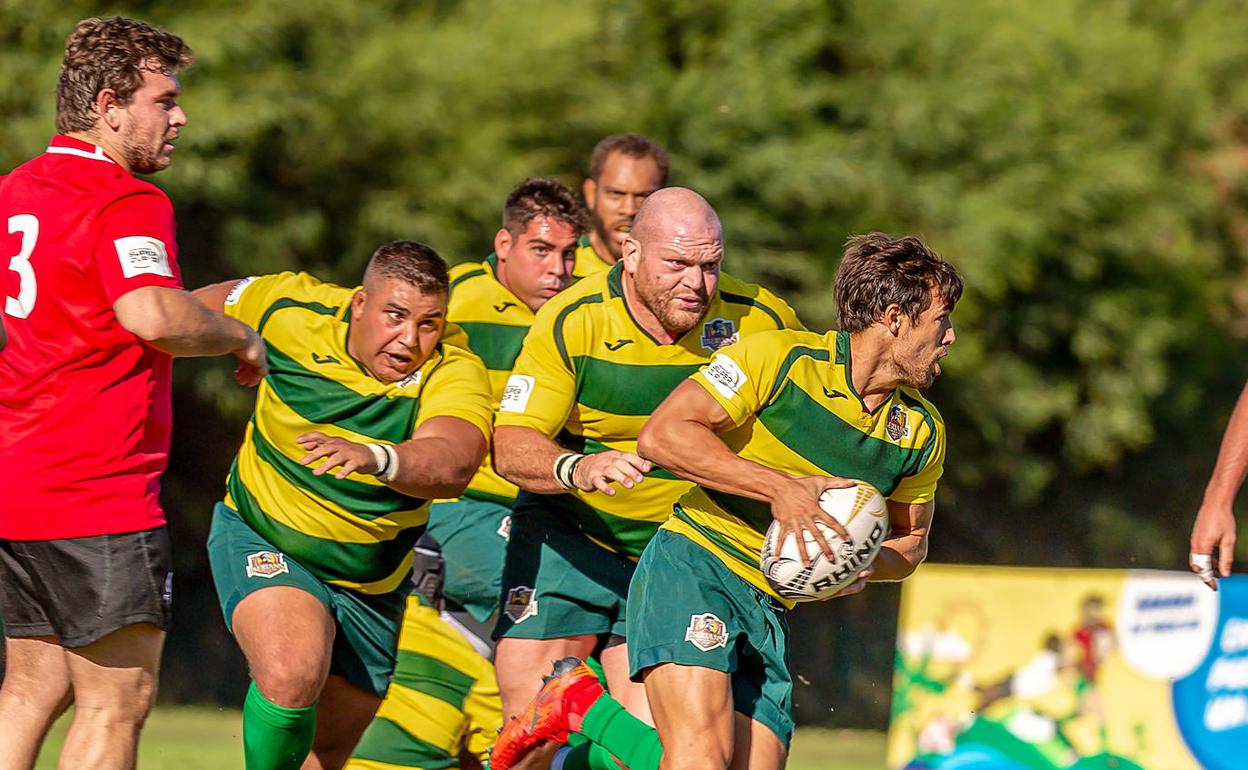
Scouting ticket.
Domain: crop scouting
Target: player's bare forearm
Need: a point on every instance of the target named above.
(682, 436)
(175, 322)
(437, 466)
(526, 458)
(1232, 465)
(906, 545)
(437, 462)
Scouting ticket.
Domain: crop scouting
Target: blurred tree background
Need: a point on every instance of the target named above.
(1085, 164)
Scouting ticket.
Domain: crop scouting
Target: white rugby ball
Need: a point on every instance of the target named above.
(864, 514)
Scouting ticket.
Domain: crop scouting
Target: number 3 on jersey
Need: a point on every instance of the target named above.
(21, 305)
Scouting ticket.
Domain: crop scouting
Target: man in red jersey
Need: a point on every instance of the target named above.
(95, 312)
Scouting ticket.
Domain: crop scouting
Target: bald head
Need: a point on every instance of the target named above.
(676, 211)
(671, 259)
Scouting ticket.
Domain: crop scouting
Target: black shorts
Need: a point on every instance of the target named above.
(81, 589)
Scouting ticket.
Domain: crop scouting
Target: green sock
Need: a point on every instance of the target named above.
(615, 734)
(275, 737)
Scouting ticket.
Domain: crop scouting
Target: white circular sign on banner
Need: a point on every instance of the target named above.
(1165, 623)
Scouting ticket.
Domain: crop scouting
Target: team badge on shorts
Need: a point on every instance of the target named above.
(717, 333)
(266, 564)
(706, 632)
(521, 604)
(898, 426)
(504, 528)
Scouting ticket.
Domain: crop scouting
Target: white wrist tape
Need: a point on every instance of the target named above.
(387, 460)
(565, 466)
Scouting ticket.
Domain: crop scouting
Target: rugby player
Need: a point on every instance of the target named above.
(623, 170)
(763, 429)
(443, 709)
(599, 358)
(365, 416)
(95, 312)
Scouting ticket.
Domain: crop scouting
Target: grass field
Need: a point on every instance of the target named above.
(205, 738)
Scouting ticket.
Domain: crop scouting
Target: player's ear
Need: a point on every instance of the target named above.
(630, 253)
(108, 108)
(892, 318)
(589, 188)
(502, 243)
(357, 303)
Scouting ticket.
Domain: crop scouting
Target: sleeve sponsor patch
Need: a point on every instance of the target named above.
(142, 255)
(516, 393)
(724, 374)
(236, 293)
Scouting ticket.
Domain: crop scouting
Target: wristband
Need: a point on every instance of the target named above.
(387, 461)
(391, 470)
(565, 466)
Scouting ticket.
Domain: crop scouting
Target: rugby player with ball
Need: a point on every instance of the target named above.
(764, 430)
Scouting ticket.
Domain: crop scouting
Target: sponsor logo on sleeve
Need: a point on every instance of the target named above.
(142, 254)
(521, 604)
(516, 393)
(724, 374)
(236, 292)
(266, 564)
(898, 425)
(706, 632)
(411, 379)
(717, 333)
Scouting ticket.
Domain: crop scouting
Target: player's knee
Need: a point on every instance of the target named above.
(289, 683)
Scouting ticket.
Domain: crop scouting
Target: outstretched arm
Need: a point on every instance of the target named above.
(178, 323)
(438, 460)
(1215, 521)
(527, 458)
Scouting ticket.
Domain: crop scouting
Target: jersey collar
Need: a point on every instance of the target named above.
(68, 145)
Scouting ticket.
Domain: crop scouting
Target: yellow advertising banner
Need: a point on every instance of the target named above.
(1001, 668)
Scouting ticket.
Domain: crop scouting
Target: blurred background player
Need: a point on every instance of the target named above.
(1214, 528)
(763, 429)
(623, 170)
(438, 709)
(600, 357)
(365, 416)
(95, 312)
(442, 709)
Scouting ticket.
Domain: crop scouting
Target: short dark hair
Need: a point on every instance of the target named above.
(878, 270)
(110, 53)
(411, 262)
(540, 197)
(632, 145)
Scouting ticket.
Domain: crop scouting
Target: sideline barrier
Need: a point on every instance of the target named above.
(1005, 668)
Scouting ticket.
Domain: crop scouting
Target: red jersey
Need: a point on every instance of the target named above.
(85, 411)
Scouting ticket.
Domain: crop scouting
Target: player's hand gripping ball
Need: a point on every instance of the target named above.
(864, 514)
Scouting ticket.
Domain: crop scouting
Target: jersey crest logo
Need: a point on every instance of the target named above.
(898, 426)
(500, 307)
(717, 333)
(706, 632)
(614, 346)
(266, 564)
(521, 604)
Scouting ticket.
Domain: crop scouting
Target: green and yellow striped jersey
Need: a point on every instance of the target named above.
(588, 376)
(792, 398)
(442, 702)
(587, 260)
(494, 321)
(356, 533)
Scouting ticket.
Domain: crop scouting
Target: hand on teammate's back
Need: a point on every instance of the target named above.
(598, 471)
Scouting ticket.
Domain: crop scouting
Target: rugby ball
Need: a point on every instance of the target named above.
(864, 514)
